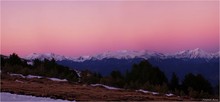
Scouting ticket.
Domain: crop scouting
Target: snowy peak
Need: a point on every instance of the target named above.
(119, 54)
(48, 56)
(196, 53)
(81, 58)
(124, 54)
(216, 55)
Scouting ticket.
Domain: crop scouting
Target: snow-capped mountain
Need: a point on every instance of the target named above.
(129, 54)
(216, 55)
(48, 56)
(81, 58)
(192, 54)
(124, 54)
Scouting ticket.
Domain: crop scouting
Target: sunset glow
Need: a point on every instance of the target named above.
(75, 28)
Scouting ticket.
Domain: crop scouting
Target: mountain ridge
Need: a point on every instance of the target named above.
(125, 54)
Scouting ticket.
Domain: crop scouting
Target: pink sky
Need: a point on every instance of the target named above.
(74, 28)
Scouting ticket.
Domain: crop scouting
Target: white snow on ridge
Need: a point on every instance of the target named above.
(81, 58)
(196, 53)
(105, 86)
(125, 54)
(216, 55)
(8, 97)
(48, 56)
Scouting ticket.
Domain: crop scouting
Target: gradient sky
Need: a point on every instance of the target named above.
(75, 28)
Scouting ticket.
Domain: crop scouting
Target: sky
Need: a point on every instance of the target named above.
(75, 28)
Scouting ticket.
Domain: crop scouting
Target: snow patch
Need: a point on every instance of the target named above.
(59, 80)
(33, 76)
(38, 77)
(144, 91)
(155, 93)
(30, 63)
(169, 94)
(107, 87)
(18, 75)
(8, 97)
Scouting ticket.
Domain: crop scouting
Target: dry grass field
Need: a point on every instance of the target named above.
(75, 91)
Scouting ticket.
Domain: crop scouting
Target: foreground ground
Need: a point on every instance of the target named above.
(8, 97)
(80, 92)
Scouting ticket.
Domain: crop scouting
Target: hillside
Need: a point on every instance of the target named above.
(78, 92)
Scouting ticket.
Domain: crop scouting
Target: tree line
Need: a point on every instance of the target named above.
(147, 77)
(47, 68)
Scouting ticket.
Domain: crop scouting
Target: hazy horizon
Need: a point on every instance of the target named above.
(75, 28)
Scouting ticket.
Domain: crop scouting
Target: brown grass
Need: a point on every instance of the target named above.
(78, 92)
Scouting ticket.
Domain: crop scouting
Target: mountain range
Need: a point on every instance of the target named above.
(194, 61)
(124, 54)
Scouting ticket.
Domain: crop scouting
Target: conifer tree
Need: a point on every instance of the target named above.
(174, 82)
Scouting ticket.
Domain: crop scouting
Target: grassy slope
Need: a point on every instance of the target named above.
(67, 91)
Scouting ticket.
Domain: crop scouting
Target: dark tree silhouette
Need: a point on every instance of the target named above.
(14, 59)
(174, 82)
(196, 83)
(143, 73)
(47, 68)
